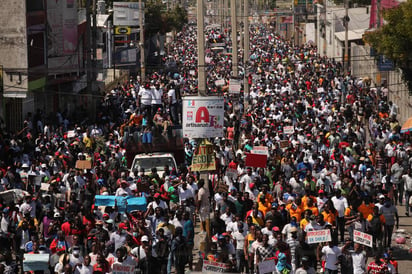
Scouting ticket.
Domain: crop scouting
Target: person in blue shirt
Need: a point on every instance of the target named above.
(303, 167)
(189, 234)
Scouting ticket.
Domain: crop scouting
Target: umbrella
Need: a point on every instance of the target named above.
(407, 126)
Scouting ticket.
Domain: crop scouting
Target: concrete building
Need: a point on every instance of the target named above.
(42, 58)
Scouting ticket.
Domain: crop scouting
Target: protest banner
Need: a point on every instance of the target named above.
(204, 157)
(319, 236)
(83, 164)
(362, 238)
(267, 267)
(284, 143)
(256, 160)
(220, 82)
(234, 86)
(262, 150)
(203, 117)
(133, 203)
(214, 267)
(71, 134)
(231, 173)
(289, 130)
(119, 268)
(35, 262)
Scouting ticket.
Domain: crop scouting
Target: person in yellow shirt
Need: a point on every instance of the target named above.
(295, 209)
(307, 198)
(264, 200)
(328, 215)
(366, 208)
(310, 205)
(306, 219)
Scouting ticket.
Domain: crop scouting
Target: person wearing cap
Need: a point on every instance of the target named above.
(157, 202)
(305, 267)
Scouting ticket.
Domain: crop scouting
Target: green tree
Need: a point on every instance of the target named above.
(394, 39)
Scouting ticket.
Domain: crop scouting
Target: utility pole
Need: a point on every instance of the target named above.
(346, 54)
(94, 43)
(88, 47)
(234, 38)
(246, 45)
(378, 13)
(201, 48)
(142, 47)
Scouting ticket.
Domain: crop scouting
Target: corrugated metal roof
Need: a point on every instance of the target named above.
(352, 35)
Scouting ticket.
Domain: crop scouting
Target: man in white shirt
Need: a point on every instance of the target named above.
(157, 94)
(145, 100)
(171, 95)
(332, 254)
(340, 203)
(407, 184)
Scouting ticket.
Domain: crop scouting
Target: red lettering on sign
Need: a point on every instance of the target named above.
(202, 114)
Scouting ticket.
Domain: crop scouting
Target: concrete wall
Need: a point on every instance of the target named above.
(13, 44)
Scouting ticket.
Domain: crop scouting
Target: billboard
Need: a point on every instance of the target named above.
(126, 13)
(203, 117)
(62, 36)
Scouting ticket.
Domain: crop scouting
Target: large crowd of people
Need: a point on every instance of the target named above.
(336, 161)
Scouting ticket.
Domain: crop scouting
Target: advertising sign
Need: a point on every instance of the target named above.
(62, 42)
(203, 117)
(214, 267)
(204, 157)
(362, 238)
(122, 30)
(126, 13)
(319, 236)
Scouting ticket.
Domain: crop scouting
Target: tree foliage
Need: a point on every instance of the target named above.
(394, 38)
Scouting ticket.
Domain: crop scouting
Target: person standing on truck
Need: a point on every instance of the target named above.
(172, 100)
(157, 95)
(145, 101)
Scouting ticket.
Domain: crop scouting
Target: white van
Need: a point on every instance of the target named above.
(157, 160)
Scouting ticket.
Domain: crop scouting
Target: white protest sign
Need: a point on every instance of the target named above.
(71, 134)
(231, 173)
(267, 267)
(203, 117)
(262, 150)
(319, 236)
(220, 82)
(362, 238)
(288, 130)
(119, 268)
(214, 267)
(234, 86)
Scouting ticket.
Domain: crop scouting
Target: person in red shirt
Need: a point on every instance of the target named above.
(377, 266)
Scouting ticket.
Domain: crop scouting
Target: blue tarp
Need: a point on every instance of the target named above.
(133, 203)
